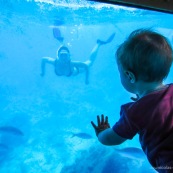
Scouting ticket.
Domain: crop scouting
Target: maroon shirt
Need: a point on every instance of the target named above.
(152, 118)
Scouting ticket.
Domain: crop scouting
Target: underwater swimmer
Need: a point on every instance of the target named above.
(65, 67)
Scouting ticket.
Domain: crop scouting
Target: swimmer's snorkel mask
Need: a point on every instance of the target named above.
(63, 53)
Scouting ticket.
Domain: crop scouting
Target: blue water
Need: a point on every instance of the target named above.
(54, 112)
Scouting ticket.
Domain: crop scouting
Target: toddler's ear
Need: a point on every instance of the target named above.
(135, 98)
(130, 76)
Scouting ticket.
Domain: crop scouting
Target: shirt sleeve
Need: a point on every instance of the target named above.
(125, 127)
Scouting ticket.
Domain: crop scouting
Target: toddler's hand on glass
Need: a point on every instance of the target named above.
(101, 124)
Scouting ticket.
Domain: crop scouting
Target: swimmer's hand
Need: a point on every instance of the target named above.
(101, 125)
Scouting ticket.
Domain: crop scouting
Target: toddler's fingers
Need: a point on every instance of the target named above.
(98, 120)
(106, 121)
(95, 127)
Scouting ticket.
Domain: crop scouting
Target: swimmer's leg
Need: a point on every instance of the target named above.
(107, 41)
(95, 50)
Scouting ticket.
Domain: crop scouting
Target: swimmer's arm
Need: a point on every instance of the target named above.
(44, 61)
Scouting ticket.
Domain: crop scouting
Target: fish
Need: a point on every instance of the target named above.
(11, 130)
(131, 152)
(82, 135)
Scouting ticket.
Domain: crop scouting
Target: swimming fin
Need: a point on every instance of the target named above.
(57, 34)
(107, 41)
